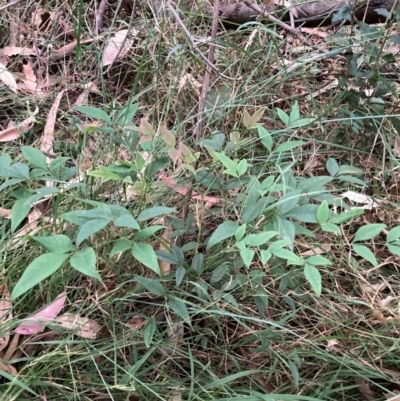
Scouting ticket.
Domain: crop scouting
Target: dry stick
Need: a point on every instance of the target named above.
(195, 47)
(202, 102)
(99, 17)
(266, 14)
(13, 3)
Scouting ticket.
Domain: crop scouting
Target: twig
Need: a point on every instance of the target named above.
(195, 47)
(266, 14)
(202, 102)
(99, 17)
(13, 3)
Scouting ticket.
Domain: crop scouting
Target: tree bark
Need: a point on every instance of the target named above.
(317, 13)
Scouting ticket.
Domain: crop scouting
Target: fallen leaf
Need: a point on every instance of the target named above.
(363, 387)
(30, 81)
(137, 322)
(47, 139)
(360, 198)
(5, 213)
(9, 369)
(165, 267)
(333, 346)
(14, 50)
(11, 133)
(8, 78)
(117, 46)
(395, 396)
(82, 98)
(83, 327)
(5, 313)
(36, 323)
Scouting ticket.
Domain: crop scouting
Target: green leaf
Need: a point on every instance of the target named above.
(286, 146)
(365, 253)
(393, 235)
(239, 234)
(265, 137)
(226, 161)
(318, 260)
(247, 256)
(149, 330)
(323, 212)
(223, 231)
(120, 246)
(126, 115)
(369, 231)
(265, 256)
(331, 228)
(394, 249)
(288, 201)
(218, 274)
(302, 122)
(332, 166)
(260, 238)
(287, 255)
(89, 228)
(147, 232)
(58, 243)
(349, 170)
(41, 268)
(242, 167)
(283, 117)
(352, 180)
(313, 276)
(180, 275)
(127, 220)
(151, 285)
(295, 373)
(294, 113)
(304, 213)
(19, 211)
(85, 262)
(34, 156)
(346, 216)
(105, 174)
(94, 112)
(145, 254)
(179, 307)
(154, 211)
(287, 230)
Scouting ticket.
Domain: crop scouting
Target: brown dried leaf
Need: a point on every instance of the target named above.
(117, 46)
(363, 387)
(9, 369)
(83, 327)
(14, 50)
(174, 154)
(168, 137)
(393, 397)
(137, 322)
(7, 78)
(251, 121)
(5, 213)
(165, 267)
(146, 128)
(47, 139)
(5, 312)
(11, 133)
(30, 81)
(82, 98)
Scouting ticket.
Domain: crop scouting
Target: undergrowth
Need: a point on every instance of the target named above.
(260, 263)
